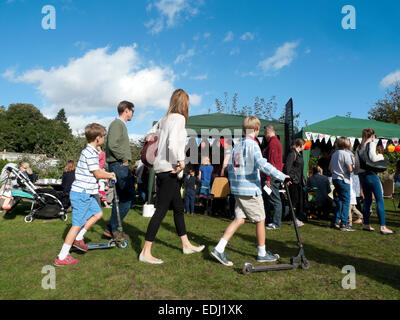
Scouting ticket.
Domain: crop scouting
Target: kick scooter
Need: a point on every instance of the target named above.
(295, 262)
(119, 241)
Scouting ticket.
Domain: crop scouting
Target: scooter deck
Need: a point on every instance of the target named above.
(101, 245)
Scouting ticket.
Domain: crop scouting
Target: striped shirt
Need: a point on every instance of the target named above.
(244, 168)
(84, 177)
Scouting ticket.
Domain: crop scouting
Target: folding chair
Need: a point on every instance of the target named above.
(388, 191)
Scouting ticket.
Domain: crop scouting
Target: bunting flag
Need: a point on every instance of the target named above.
(321, 137)
(395, 141)
(260, 139)
(333, 139)
(314, 136)
(308, 135)
(352, 140)
(384, 143)
(327, 137)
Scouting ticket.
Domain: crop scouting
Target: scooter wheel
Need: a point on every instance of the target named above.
(305, 266)
(247, 268)
(28, 219)
(123, 244)
(64, 217)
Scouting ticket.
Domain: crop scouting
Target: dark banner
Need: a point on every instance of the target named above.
(289, 132)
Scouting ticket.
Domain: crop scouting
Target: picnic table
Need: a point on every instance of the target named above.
(45, 183)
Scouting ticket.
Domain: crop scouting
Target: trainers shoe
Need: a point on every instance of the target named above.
(298, 223)
(80, 244)
(221, 257)
(347, 228)
(335, 226)
(272, 226)
(269, 257)
(68, 261)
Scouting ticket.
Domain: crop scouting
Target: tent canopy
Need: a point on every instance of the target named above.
(348, 127)
(232, 122)
(352, 127)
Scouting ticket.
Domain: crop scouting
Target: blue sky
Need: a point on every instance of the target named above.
(102, 52)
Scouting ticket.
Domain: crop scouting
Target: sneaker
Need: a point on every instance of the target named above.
(347, 228)
(68, 261)
(272, 226)
(80, 244)
(269, 257)
(221, 257)
(335, 225)
(298, 223)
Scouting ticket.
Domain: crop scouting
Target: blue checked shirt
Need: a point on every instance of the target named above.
(244, 168)
(84, 177)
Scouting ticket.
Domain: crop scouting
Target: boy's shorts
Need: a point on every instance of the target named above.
(251, 207)
(84, 206)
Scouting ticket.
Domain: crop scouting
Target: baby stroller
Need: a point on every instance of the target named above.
(46, 202)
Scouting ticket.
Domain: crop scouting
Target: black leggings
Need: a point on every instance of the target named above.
(168, 194)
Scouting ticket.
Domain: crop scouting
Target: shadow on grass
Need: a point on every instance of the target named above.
(382, 272)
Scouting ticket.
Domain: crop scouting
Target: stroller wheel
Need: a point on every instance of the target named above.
(28, 219)
(123, 244)
(64, 217)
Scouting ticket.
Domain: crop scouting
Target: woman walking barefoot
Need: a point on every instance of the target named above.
(168, 166)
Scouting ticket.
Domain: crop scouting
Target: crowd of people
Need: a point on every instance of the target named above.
(256, 173)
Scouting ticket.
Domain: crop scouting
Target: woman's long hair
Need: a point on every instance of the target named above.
(70, 166)
(366, 134)
(179, 103)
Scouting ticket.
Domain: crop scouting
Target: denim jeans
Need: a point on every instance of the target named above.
(190, 198)
(371, 184)
(273, 203)
(125, 193)
(342, 200)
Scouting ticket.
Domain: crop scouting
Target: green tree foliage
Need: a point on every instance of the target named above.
(26, 130)
(262, 109)
(388, 108)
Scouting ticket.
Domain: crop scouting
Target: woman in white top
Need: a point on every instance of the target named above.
(370, 182)
(168, 166)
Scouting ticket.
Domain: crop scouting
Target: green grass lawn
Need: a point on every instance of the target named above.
(117, 273)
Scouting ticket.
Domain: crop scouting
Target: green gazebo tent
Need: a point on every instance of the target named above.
(346, 127)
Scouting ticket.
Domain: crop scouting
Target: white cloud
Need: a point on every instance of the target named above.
(307, 51)
(195, 99)
(99, 80)
(229, 36)
(283, 57)
(135, 137)
(391, 79)
(247, 36)
(234, 51)
(79, 122)
(185, 56)
(206, 35)
(200, 77)
(169, 12)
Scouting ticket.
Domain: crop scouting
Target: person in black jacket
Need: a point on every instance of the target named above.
(68, 178)
(294, 168)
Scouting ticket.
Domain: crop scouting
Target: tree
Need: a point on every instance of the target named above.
(388, 108)
(26, 130)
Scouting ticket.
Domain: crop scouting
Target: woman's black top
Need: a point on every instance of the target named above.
(68, 178)
(294, 166)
